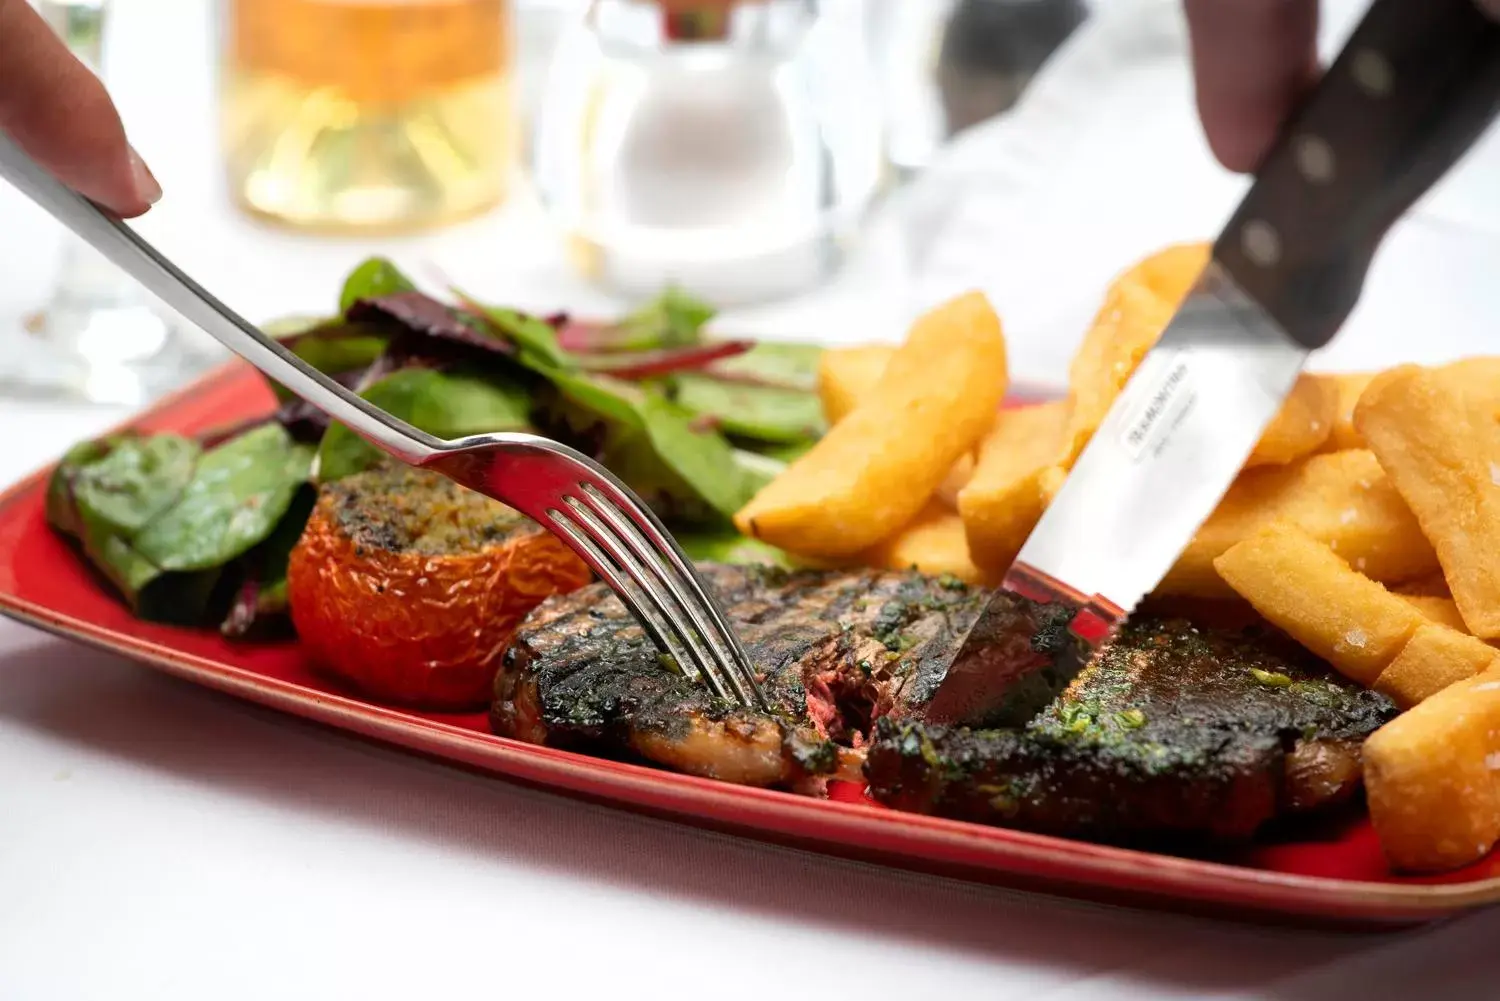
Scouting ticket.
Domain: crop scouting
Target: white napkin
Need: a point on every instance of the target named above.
(1104, 161)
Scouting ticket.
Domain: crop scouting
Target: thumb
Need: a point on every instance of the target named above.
(59, 113)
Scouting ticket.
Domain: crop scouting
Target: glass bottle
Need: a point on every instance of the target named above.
(368, 115)
(730, 149)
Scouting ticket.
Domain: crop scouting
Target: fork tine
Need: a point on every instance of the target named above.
(634, 598)
(662, 542)
(682, 586)
(645, 571)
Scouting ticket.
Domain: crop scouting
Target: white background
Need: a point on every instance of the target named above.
(157, 841)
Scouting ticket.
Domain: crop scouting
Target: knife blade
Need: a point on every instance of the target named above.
(1414, 87)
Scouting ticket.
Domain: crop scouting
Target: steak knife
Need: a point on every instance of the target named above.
(1416, 84)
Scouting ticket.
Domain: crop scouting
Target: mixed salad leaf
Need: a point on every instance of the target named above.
(172, 524)
(199, 530)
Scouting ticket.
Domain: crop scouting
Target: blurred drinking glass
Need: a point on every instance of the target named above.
(99, 337)
(368, 115)
(993, 48)
(727, 146)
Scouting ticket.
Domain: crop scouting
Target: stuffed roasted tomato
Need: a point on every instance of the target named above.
(409, 587)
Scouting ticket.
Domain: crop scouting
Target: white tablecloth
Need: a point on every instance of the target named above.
(157, 841)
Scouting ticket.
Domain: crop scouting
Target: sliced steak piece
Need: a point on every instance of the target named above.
(834, 651)
(1172, 729)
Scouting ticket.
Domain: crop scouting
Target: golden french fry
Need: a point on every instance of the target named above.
(1434, 658)
(1003, 499)
(1440, 610)
(1051, 481)
(958, 477)
(1349, 386)
(1171, 272)
(1436, 434)
(848, 375)
(1303, 424)
(875, 470)
(1126, 327)
(1302, 586)
(934, 544)
(1136, 309)
(1343, 499)
(1432, 585)
(1430, 778)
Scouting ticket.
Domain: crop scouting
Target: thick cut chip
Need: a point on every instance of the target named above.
(1302, 425)
(934, 544)
(875, 470)
(1432, 585)
(958, 477)
(1437, 434)
(1343, 499)
(1434, 658)
(1439, 609)
(1137, 308)
(847, 376)
(1431, 778)
(1126, 327)
(1004, 499)
(1170, 273)
(1303, 587)
(1349, 386)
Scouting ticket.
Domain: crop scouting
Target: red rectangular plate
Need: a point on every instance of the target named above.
(1334, 876)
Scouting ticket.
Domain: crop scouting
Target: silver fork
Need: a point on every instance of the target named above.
(575, 498)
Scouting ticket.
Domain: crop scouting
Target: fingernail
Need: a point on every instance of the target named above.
(146, 186)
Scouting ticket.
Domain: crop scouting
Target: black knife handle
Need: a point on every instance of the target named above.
(1415, 86)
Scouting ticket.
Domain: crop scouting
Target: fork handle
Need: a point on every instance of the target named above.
(143, 262)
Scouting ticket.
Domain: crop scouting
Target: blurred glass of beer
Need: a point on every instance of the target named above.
(368, 115)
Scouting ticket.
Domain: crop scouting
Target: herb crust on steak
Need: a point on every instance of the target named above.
(1172, 729)
(833, 651)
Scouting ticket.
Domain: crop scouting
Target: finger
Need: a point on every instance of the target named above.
(1252, 61)
(60, 114)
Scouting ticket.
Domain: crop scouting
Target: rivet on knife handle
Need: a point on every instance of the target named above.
(1415, 86)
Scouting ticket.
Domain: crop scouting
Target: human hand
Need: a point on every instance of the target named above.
(1252, 61)
(59, 113)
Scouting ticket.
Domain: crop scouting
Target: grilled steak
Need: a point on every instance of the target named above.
(1170, 730)
(834, 651)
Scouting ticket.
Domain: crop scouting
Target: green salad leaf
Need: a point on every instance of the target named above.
(373, 277)
(162, 519)
(340, 347)
(656, 446)
(260, 607)
(138, 480)
(776, 363)
(703, 458)
(188, 532)
(765, 413)
(535, 338)
(727, 546)
(446, 404)
(237, 494)
(672, 319)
